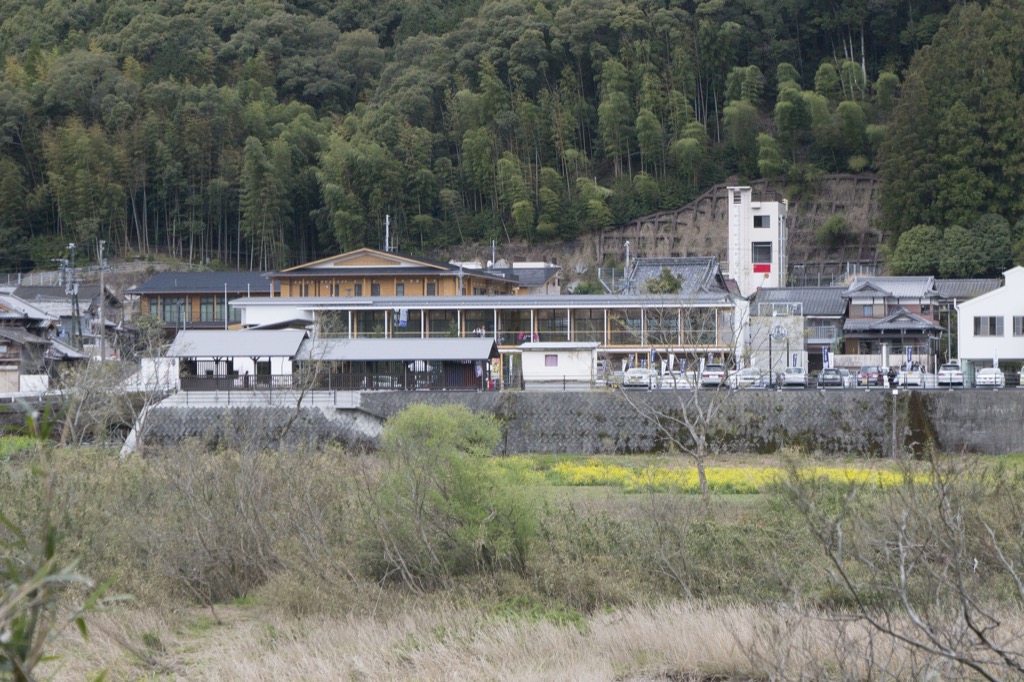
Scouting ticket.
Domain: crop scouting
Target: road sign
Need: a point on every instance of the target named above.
(778, 332)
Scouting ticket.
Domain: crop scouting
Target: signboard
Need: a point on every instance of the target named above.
(910, 356)
(762, 267)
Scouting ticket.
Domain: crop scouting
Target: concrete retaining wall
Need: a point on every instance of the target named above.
(864, 423)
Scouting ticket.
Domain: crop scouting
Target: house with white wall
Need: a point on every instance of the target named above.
(990, 327)
(757, 241)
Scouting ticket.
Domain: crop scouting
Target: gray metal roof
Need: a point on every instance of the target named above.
(895, 287)
(527, 276)
(204, 283)
(201, 343)
(397, 350)
(559, 345)
(817, 301)
(965, 289)
(493, 302)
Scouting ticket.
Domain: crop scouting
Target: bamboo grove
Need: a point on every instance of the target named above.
(265, 133)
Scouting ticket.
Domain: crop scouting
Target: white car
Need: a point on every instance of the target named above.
(990, 377)
(675, 381)
(712, 376)
(950, 375)
(794, 376)
(748, 377)
(640, 377)
(911, 376)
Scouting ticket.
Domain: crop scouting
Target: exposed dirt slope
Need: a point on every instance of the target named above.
(701, 228)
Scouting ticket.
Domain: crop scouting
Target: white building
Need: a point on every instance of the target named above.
(990, 327)
(757, 241)
(559, 365)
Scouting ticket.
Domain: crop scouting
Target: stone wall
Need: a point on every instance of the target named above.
(862, 423)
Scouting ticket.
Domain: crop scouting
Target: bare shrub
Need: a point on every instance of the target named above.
(934, 563)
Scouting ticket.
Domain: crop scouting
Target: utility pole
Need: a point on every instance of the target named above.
(72, 290)
(103, 298)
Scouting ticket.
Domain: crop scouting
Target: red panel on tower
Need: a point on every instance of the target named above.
(762, 267)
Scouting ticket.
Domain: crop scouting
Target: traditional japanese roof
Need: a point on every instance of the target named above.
(13, 308)
(214, 283)
(892, 287)
(901, 320)
(22, 337)
(201, 343)
(964, 289)
(397, 350)
(57, 301)
(816, 301)
(59, 350)
(371, 262)
(696, 275)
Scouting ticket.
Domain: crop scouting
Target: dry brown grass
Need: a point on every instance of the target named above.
(431, 641)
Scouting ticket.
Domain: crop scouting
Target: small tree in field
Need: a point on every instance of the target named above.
(441, 507)
(688, 426)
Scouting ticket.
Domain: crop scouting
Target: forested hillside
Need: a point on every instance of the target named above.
(265, 133)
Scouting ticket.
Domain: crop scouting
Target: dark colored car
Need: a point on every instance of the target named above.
(830, 378)
(870, 375)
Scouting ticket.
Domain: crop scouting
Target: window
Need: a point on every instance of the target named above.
(1018, 326)
(988, 326)
(400, 289)
(737, 198)
(374, 288)
(431, 289)
(173, 310)
(358, 289)
(551, 360)
(761, 252)
(206, 309)
(235, 315)
(869, 310)
(762, 221)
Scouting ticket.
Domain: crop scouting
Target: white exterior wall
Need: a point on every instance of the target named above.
(743, 234)
(775, 354)
(1006, 302)
(574, 366)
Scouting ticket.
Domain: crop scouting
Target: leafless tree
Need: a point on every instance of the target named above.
(934, 564)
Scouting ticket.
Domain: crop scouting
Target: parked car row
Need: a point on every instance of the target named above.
(716, 376)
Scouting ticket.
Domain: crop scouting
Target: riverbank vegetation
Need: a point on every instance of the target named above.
(431, 559)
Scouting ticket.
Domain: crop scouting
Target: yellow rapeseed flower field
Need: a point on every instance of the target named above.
(737, 480)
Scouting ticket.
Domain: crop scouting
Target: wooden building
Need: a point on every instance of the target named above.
(369, 272)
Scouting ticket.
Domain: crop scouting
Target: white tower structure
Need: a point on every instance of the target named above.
(757, 241)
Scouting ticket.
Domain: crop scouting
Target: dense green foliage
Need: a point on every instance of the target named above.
(953, 158)
(268, 133)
